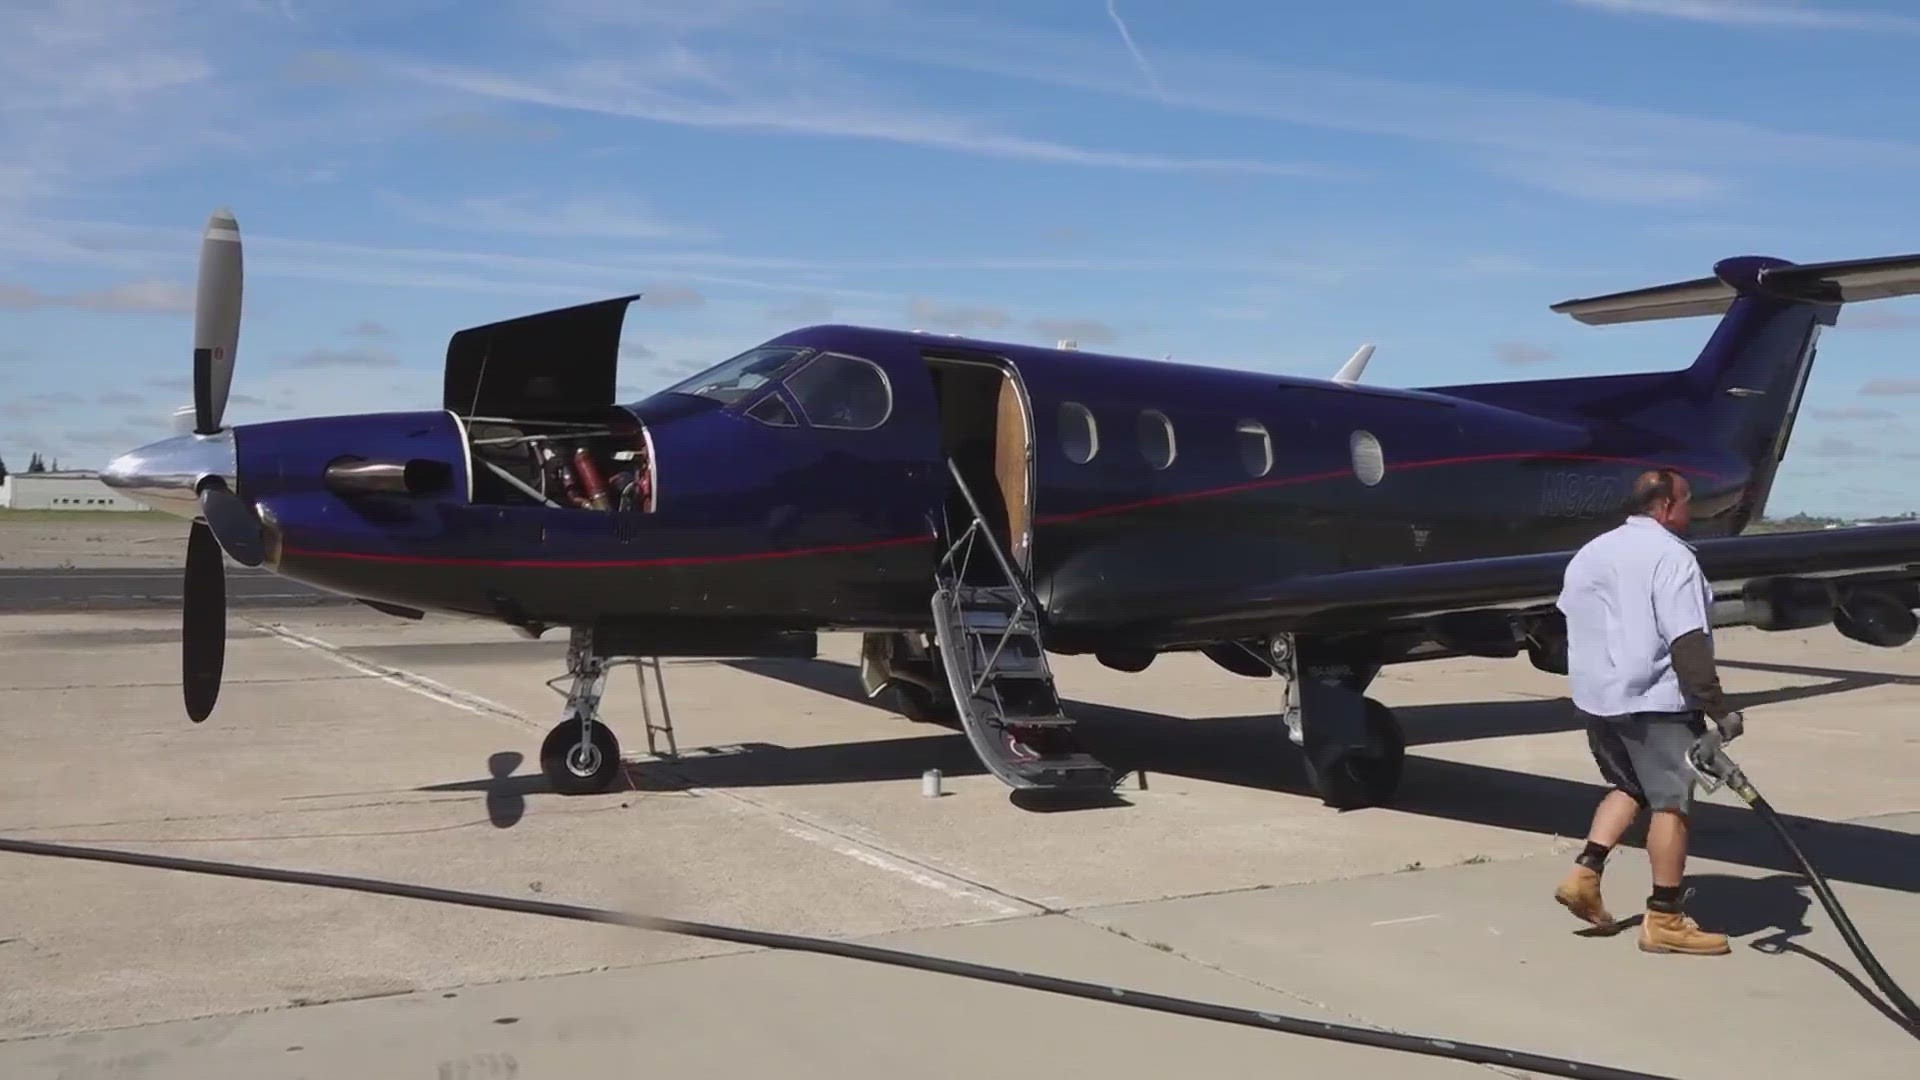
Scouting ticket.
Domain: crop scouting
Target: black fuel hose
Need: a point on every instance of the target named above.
(1709, 759)
(1896, 996)
(1416, 1044)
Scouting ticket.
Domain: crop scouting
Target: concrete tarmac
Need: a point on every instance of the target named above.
(349, 742)
(95, 589)
(116, 562)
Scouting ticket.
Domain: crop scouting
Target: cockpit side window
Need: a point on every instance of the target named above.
(733, 381)
(845, 392)
(773, 412)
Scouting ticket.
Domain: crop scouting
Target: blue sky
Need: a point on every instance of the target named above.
(1249, 184)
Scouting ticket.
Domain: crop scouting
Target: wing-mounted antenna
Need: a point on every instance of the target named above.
(1349, 372)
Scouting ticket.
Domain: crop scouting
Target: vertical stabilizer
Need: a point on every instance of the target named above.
(1746, 384)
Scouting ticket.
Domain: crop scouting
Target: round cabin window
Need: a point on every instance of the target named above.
(1369, 462)
(1079, 438)
(1155, 432)
(1256, 448)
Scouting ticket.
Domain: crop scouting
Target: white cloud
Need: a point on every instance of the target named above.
(672, 296)
(1552, 142)
(1084, 331)
(794, 98)
(163, 297)
(1522, 352)
(922, 312)
(574, 218)
(358, 356)
(79, 83)
(1784, 13)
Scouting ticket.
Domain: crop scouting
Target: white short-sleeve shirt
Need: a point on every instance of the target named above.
(1628, 595)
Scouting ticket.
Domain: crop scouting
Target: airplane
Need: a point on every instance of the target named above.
(970, 507)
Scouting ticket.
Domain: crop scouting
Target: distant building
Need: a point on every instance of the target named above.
(64, 490)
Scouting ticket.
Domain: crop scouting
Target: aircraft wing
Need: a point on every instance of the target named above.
(1357, 599)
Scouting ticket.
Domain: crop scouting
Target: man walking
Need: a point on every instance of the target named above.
(1640, 665)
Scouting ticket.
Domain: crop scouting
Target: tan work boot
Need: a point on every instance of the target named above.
(1580, 894)
(1676, 932)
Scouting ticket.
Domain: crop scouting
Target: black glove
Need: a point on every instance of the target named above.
(1731, 726)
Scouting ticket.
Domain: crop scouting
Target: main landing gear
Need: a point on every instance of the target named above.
(1354, 746)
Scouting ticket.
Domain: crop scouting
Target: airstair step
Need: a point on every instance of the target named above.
(977, 620)
(1077, 771)
(989, 637)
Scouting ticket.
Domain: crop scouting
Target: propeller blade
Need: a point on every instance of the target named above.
(216, 320)
(234, 524)
(203, 623)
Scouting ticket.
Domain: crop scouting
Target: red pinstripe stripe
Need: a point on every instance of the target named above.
(601, 564)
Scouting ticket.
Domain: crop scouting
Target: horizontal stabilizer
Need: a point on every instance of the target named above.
(1846, 282)
(1684, 299)
(1818, 283)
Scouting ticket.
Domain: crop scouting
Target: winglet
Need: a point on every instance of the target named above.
(1349, 372)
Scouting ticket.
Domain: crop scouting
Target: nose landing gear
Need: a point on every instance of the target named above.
(580, 755)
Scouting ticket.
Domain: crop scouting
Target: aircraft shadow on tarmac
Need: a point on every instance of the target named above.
(506, 793)
(1251, 751)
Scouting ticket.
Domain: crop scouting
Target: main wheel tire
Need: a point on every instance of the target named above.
(576, 770)
(1361, 779)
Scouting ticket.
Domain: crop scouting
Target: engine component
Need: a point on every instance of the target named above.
(591, 485)
(358, 476)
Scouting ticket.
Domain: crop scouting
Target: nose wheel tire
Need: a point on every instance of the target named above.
(574, 768)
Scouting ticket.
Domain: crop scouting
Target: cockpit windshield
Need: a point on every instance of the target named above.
(732, 380)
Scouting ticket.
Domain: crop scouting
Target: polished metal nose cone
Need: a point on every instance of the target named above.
(167, 475)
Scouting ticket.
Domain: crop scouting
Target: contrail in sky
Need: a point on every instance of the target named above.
(1145, 68)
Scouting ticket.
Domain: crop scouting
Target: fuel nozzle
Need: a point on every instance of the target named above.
(1708, 759)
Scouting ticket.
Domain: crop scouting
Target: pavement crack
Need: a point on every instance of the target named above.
(1325, 1007)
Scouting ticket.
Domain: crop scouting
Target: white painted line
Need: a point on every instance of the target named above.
(877, 860)
(1410, 918)
(406, 680)
(786, 822)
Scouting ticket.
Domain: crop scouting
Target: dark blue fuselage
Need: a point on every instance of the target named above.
(794, 525)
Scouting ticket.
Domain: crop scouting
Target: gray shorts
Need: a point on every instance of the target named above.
(1645, 755)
